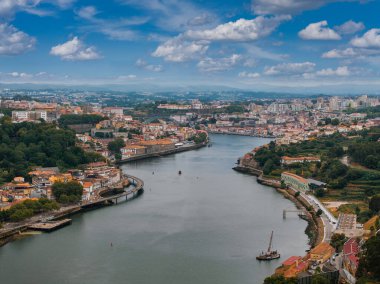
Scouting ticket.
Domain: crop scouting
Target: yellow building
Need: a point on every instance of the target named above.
(322, 252)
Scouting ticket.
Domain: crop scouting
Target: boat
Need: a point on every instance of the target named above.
(269, 254)
(180, 172)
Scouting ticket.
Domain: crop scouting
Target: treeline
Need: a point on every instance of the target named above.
(73, 119)
(27, 209)
(26, 145)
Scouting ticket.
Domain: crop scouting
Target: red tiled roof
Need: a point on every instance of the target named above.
(291, 260)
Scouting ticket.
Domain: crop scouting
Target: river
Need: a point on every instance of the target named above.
(204, 226)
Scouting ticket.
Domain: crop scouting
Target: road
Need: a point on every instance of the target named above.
(329, 221)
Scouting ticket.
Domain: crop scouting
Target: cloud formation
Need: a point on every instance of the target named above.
(290, 68)
(251, 75)
(14, 41)
(240, 30)
(371, 39)
(220, 64)
(350, 27)
(193, 43)
(150, 67)
(319, 31)
(179, 49)
(340, 71)
(276, 7)
(75, 50)
(340, 53)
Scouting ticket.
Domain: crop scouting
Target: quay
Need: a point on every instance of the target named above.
(55, 220)
(162, 153)
(242, 134)
(50, 226)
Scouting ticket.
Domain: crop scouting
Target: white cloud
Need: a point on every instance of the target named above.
(340, 53)
(126, 77)
(179, 49)
(350, 27)
(173, 15)
(340, 71)
(9, 7)
(319, 31)
(241, 30)
(245, 74)
(193, 43)
(290, 68)
(14, 41)
(220, 64)
(150, 67)
(88, 12)
(268, 7)
(119, 29)
(369, 40)
(74, 50)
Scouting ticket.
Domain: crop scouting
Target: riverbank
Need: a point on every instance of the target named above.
(241, 134)
(163, 153)
(315, 228)
(107, 196)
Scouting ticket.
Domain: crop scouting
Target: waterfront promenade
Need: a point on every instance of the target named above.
(103, 196)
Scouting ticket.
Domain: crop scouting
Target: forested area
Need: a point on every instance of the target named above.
(26, 145)
(67, 192)
(72, 119)
(27, 209)
(357, 179)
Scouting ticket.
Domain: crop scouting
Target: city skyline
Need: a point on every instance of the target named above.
(258, 45)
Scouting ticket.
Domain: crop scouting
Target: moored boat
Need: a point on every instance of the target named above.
(269, 254)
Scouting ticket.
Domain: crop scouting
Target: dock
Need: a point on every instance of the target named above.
(50, 226)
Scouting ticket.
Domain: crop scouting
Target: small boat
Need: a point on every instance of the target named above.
(180, 172)
(269, 254)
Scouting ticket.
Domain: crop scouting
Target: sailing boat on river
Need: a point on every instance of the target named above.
(269, 254)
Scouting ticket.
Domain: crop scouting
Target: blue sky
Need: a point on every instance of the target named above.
(256, 45)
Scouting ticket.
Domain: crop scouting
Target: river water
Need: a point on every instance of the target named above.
(204, 226)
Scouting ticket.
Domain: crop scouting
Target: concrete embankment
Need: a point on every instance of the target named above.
(315, 229)
(8, 235)
(162, 153)
(242, 134)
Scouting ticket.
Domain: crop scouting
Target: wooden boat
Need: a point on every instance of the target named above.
(269, 254)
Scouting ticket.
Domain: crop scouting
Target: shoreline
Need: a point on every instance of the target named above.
(162, 153)
(314, 231)
(17, 232)
(242, 134)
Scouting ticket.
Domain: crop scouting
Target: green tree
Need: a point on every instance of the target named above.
(116, 145)
(319, 279)
(369, 263)
(374, 203)
(337, 241)
(68, 192)
(279, 279)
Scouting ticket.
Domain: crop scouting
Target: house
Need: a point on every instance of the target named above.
(132, 150)
(285, 160)
(294, 181)
(321, 253)
(351, 251)
(292, 266)
(154, 146)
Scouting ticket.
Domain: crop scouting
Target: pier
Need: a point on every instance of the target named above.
(49, 226)
(55, 221)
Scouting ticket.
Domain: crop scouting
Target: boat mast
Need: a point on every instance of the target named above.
(270, 242)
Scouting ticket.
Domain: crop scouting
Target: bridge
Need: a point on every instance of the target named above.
(101, 199)
(127, 194)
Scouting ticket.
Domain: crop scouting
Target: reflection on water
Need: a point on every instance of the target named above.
(204, 226)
